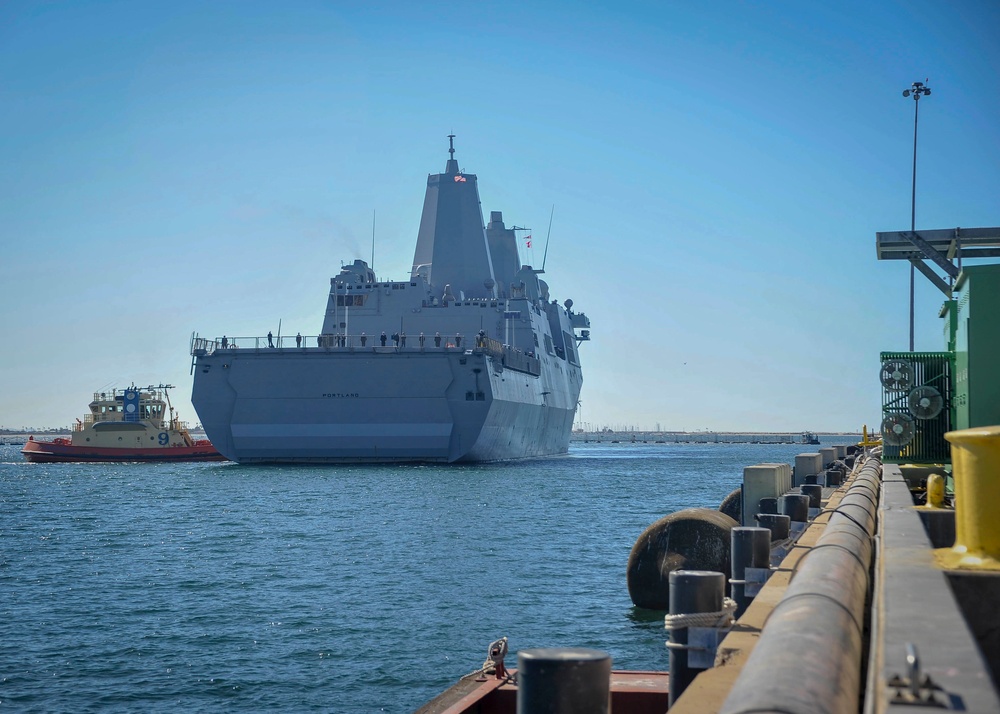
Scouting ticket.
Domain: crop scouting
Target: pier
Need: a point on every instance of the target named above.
(694, 437)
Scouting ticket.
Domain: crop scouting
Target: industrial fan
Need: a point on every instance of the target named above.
(897, 429)
(925, 402)
(896, 375)
(917, 392)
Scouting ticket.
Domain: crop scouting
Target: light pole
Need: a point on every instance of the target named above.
(917, 90)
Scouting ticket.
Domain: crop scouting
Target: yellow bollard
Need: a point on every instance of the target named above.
(935, 491)
(975, 456)
(865, 441)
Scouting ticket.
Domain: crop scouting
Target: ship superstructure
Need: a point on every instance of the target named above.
(470, 359)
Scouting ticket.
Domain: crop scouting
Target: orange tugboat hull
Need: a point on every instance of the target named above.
(62, 450)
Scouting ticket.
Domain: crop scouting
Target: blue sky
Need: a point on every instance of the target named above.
(718, 172)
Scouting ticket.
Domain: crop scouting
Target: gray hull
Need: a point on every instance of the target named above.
(318, 406)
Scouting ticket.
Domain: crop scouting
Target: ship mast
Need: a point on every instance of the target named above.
(452, 165)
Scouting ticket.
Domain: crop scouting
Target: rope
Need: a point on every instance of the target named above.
(721, 618)
(494, 654)
(476, 673)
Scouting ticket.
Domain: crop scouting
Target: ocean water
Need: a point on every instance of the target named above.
(220, 587)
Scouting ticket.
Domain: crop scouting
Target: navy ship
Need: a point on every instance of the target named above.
(469, 359)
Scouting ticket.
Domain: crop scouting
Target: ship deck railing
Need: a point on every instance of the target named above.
(202, 346)
(397, 342)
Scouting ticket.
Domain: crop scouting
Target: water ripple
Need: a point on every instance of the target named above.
(214, 587)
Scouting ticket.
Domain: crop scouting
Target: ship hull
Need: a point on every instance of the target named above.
(54, 452)
(379, 405)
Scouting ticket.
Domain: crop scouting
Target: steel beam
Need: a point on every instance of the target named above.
(929, 251)
(932, 276)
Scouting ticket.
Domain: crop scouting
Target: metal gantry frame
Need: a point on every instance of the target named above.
(944, 247)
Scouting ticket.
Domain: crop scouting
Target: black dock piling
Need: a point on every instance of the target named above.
(815, 493)
(691, 592)
(751, 550)
(795, 506)
(778, 524)
(554, 680)
(767, 505)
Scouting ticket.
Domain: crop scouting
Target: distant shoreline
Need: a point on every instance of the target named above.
(672, 437)
(707, 437)
(67, 430)
(719, 432)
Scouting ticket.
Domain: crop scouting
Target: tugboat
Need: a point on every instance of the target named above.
(135, 424)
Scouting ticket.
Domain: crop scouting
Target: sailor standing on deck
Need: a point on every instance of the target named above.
(382, 339)
(270, 339)
(364, 339)
(298, 339)
(437, 339)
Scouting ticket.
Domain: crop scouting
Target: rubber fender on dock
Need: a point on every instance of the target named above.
(692, 539)
(732, 505)
(808, 658)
